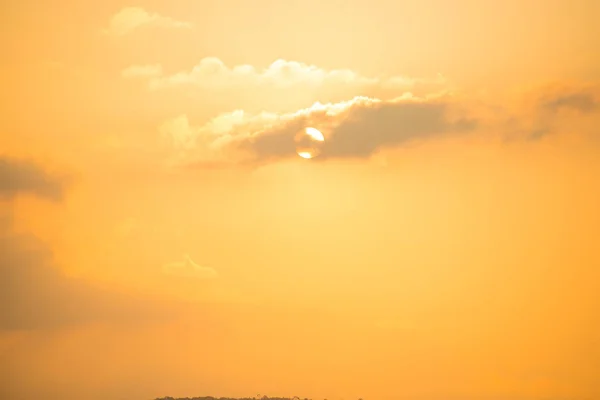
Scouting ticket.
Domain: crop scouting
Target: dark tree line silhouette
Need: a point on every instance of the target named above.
(232, 398)
(257, 397)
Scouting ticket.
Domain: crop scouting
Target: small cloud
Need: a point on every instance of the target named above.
(553, 105)
(539, 133)
(583, 102)
(189, 269)
(142, 71)
(19, 176)
(131, 18)
(178, 132)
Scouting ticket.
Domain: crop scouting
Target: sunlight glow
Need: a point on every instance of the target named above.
(305, 154)
(309, 142)
(315, 134)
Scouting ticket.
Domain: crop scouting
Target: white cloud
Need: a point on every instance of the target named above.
(131, 18)
(189, 269)
(210, 141)
(211, 72)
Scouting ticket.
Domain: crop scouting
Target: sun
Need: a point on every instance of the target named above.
(315, 134)
(305, 154)
(309, 142)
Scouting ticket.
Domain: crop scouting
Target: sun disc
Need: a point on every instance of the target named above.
(309, 142)
(315, 134)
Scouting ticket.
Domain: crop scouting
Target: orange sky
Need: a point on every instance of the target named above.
(159, 235)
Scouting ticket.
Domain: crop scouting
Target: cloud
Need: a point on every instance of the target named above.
(143, 71)
(211, 72)
(581, 101)
(35, 295)
(178, 131)
(557, 105)
(131, 18)
(189, 269)
(355, 128)
(33, 292)
(24, 177)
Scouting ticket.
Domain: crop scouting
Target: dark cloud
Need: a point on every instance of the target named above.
(362, 130)
(18, 176)
(539, 133)
(390, 125)
(35, 295)
(33, 292)
(275, 143)
(583, 102)
(546, 112)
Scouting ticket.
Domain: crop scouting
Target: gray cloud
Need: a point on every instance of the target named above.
(35, 295)
(538, 133)
(365, 128)
(33, 292)
(582, 101)
(19, 176)
(362, 126)
(546, 114)
(390, 125)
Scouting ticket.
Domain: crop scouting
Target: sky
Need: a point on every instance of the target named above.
(161, 236)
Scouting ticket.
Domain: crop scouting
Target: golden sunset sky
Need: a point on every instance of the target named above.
(159, 235)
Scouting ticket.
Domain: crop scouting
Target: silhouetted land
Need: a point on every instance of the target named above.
(231, 398)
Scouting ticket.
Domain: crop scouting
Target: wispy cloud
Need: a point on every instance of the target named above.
(130, 19)
(584, 102)
(189, 269)
(557, 104)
